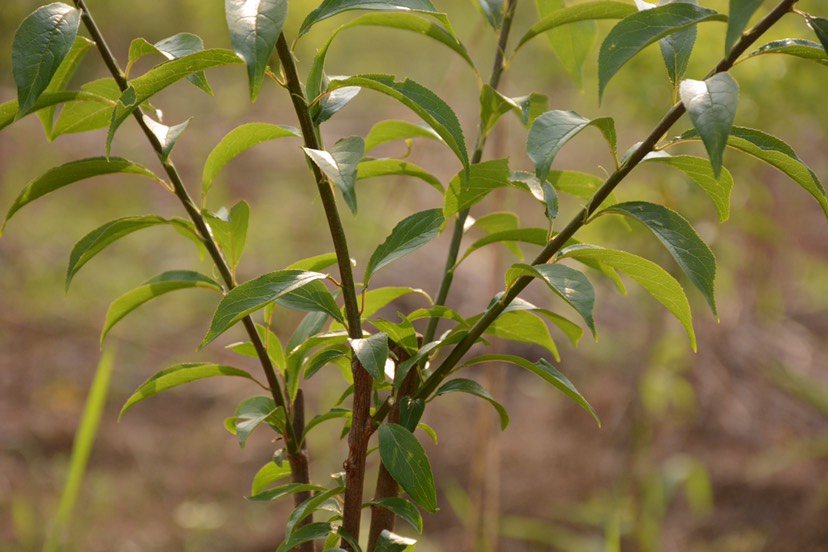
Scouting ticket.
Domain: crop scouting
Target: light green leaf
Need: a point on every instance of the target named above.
(314, 264)
(571, 43)
(255, 25)
(97, 240)
(403, 509)
(375, 299)
(235, 142)
(310, 532)
(9, 112)
(701, 173)
(330, 8)
(374, 168)
(307, 508)
(40, 44)
(684, 244)
(230, 231)
(253, 295)
(425, 103)
(540, 190)
(649, 275)
(580, 12)
(406, 461)
(332, 414)
(340, 165)
(494, 105)
(72, 172)
(403, 334)
(482, 178)
(267, 474)
(578, 184)
(313, 297)
(284, 490)
(253, 412)
(180, 45)
(167, 135)
(153, 81)
(523, 327)
(797, 47)
(569, 284)
(408, 235)
(391, 130)
(84, 116)
(372, 353)
(473, 388)
(739, 15)
(711, 105)
(61, 78)
(152, 288)
(555, 128)
(535, 236)
(547, 372)
(635, 32)
(676, 48)
(391, 542)
(179, 375)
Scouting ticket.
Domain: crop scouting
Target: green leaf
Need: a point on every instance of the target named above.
(320, 360)
(483, 177)
(820, 27)
(9, 112)
(555, 128)
(408, 235)
(180, 45)
(580, 12)
(40, 44)
(569, 284)
(84, 116)
(578, 184)
(391, 542)
(547, 372)
(691, 253)
(374, 168)
(332, 414)
(372, 353)
(540, 190)
(635, 32)
(571, 43)
(330, 8)
(523, 327)
(493, 10)
(253, 295)
(153, 81)
(649, 275)
(313, 297)
(179, 375)
(375, 299)
(167, 135)
(700, 171)
(97, 240)
(61, 78)
(425, 103)
(739, 15)
(403, 509)
(796, 47)
(283, 490)
(69, 173)
(333, 101)
(340, 165)
(152, 288)
(711, 105)
(230, 231)
(307, 508)
(306, 533)
(494, 105)
(315, 263)
(677, 48)
(392, 130)
(411, 410)
(403, 334)
(267, 474)
(406, 461)
(473, 388)
(253, 412)
(255, 25)
(535, 236)
(235, 142)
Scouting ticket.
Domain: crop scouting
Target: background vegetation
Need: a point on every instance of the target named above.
(720, 450)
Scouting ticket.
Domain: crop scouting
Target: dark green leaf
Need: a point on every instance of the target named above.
(310, 532)
(555, 128)
(402, 509)
(411, 410)
(340, 165)
(372, 353)
(425, 103)
(61, 78)
(408, 235)
(307, 508)
(711, 105)
(540, 190)
(483, 177)
(97, 240)
(536, 236)
(267, 474)
(493, 10)
(571, 43)
(253, 412)
(179, 375)
(739, 16)
(797, 47)
(41, 43)
(684, 244)
(406, 461)
(284, 490)
(677, 47)
(473, 388)
(85, 116)
(701, 173)
(405, 366)
(391, 542)
(391, 130)
(320, 360)
(255, 25)
(580, 12)
(374, 168)
(72, 172)
(330, 8)
(312, 297)
(180, 45)
(333, 101)
(167, 135)
(652, 277)
(635, 32)
(523, 327)
(494, 105)
(820, 27)
(230, 231)
(253, 295)
(403, 334)
(235, 142)
(332, 414)
(152, 288)
(547, 372)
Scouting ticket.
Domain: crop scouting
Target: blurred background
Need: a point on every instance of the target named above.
(722, 450)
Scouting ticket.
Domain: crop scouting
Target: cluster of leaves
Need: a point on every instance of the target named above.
(48, 48)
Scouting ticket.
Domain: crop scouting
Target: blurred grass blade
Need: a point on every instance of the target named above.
(81, 449)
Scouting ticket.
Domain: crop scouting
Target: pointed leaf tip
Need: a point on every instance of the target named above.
(711, 105)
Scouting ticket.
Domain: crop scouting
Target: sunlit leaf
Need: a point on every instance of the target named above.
(167, 135)
(796, 47)
(372, 353)
(85, 116)
(255, 26)
(330, 8)
(700, 171)
(408, 235)
(340, 165)
(229, 229)
(391, 542)
(483, 178)
(523, 327)
(267, 474)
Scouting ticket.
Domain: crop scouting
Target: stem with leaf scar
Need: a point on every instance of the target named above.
(582, 217)
(296, 455)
